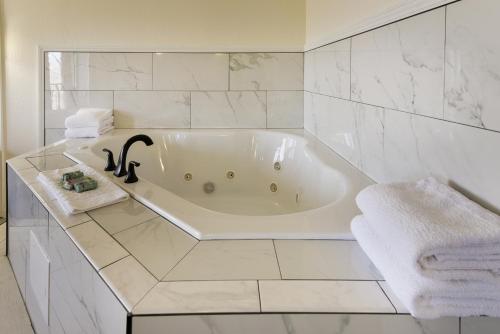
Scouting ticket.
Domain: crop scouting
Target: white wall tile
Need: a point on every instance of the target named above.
(152, 109)
(295, 323)
(53, 135)
(285, 109)
(228, 109)
(191, 71)
(266, 71)
(60, 71)
(401, 66)
(472, 63)
(61, 104)
(327, 70)
(391, 146)
(117, 71)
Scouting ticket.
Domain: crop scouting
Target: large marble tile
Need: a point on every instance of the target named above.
(129, 280)
(327, 70)
(157, 244)
(323, 296)
(266, 71)
(121, 216)
(80, 300)
(293, 323)
(61, 104)
(324, 259)
(53, 135)
(152, 109)
(391, 146)
(285, 109)
(97, 245)
(401, 65)
(51, 162)
(480, 325)
(472, 66)
(228, 260)
(228, 109)
(190, 71)
(201, 297)
(98, 71)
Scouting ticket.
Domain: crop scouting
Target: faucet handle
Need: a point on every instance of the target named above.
(110, 164)
(131, 177)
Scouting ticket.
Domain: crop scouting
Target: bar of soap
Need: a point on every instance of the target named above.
(72, 176)
(85, 184)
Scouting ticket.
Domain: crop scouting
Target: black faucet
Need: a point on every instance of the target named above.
(121, 168)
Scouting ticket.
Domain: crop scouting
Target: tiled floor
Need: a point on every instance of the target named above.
(13, 316)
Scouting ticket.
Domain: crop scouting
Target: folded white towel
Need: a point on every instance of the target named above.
(91, 132)
(88, 117)
(107, 192)
(434, 229)
(425, 297)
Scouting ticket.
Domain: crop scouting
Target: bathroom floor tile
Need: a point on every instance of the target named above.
(324, 259)
(157, 244)
(129, 280)
(97, 245)
(118, 217)
(400, 308)
(228, 260)
(50, 162)
(323, 296)
(201, 297)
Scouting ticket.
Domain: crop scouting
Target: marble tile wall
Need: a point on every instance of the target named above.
(415, 98)
(176, 90)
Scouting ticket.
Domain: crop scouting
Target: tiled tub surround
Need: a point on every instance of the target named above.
(415, 98)
(176, 90)
(126, 259)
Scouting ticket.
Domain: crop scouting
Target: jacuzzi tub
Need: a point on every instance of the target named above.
(239, 184)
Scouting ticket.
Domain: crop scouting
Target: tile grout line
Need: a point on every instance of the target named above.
(277, 259)
(178, 262)
(258, 295)
(386, 296)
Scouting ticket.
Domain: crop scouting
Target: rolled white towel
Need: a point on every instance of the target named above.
(425, 297)
(435, 229)
(91, 132)
(89, 117)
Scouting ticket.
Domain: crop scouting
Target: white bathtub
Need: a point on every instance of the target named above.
(310, 195)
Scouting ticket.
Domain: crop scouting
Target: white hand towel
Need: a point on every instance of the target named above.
(91, 132)
(425, 297)
(88, 117)
(435, 229)
(107, 192)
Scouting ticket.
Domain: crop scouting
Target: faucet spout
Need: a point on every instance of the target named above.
(121, 169)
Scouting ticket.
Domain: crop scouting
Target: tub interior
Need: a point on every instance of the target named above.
(242, 173)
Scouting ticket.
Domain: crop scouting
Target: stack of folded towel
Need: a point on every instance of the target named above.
(89, 122)
(438, 251)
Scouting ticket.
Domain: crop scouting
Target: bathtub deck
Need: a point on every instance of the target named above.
(154, 268)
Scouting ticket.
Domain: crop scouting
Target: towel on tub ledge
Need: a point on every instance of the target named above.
(90, 132)
(426, 297)
(89, 117)
(434, 229)
(107, 192)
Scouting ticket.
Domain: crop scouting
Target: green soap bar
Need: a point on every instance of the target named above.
(72, 176)
(68, 185)
(85, 184)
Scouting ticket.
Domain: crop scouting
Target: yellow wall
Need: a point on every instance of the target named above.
(190, 25)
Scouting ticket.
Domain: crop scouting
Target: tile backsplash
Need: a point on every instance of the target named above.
(176, 90)
(415, 98)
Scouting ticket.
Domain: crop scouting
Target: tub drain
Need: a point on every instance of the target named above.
(209, 187)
